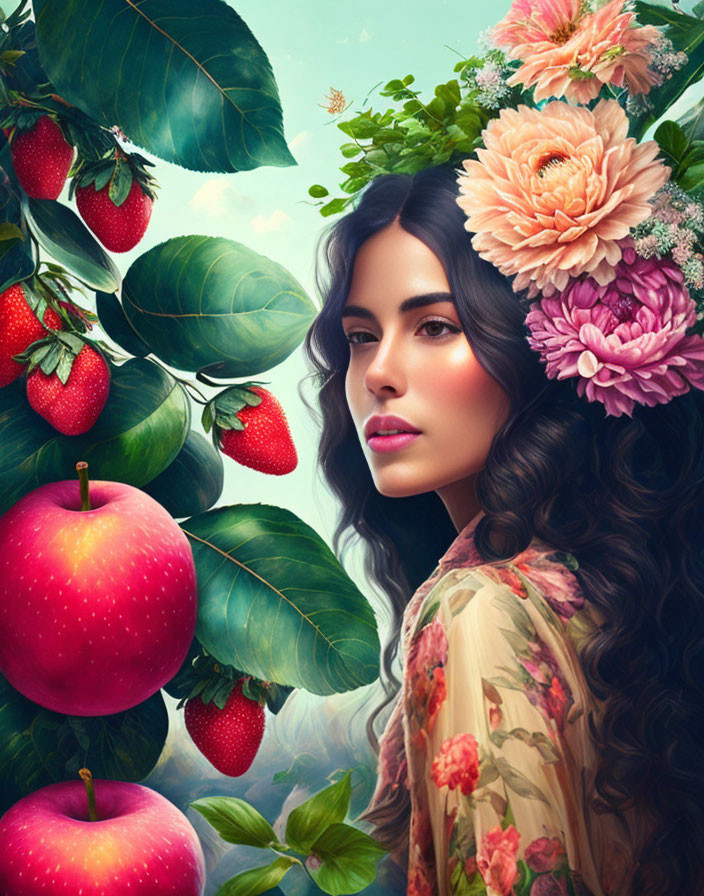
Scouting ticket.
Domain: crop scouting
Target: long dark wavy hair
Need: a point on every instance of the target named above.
(624, 495)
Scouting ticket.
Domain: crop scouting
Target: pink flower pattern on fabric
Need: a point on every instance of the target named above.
(555, 191)
(457, 764)
(496, 858)
(625, 341)
(569, 52)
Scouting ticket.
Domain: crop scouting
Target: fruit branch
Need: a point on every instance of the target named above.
(87, 779)
(82, 470)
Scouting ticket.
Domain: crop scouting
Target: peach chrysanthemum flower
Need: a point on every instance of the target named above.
(569, 52)
(555, 190)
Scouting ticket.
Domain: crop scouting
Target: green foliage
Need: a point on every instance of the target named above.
(687, 35)
(266, 582)
(348, 859)
(309, 821)
(193, 481)
(410, 136)
(683, 154)
(188, 82)
(236, 821)
(257, 880)
(338, 857)
(114, 321)
(40, 747)
(198, 300)
(63, 235)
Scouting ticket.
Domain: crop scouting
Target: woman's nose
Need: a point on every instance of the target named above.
(386, 370)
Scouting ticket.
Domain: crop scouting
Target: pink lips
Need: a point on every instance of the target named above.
(383, 443)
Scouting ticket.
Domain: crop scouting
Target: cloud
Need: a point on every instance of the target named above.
(300, 141)
(277, 220)
(364, 36)
(218, 197)
(342, 40)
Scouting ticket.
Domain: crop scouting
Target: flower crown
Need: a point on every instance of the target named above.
(603, 232)
(603, 235)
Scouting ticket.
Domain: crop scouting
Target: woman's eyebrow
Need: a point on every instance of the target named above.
(428, 298)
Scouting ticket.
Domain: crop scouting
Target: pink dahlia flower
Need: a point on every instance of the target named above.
(555, 190)
(625, 341)
(457, 763)
(568, 52)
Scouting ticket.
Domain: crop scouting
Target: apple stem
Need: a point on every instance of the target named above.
(82, 470)
(90, 790)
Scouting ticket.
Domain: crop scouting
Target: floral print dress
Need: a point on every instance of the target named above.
(490, 734)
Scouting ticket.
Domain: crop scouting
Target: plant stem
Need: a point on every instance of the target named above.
(87, 779)
(82, 470)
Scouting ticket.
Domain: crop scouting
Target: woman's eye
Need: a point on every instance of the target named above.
(353, 339)
(441, 324)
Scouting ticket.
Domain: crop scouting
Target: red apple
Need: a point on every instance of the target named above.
(97, 607)
(140, 844)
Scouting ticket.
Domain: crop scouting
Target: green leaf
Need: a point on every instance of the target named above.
(309, 820)
(687, 34)
(236, 821)
(257, 880)
(39, 747)
(518, 782)
(349, 150)
(349, 859)
(334, 207)
(114, 321)
(193, 480)
(200, 300)
(274, 601)
(187, 81)
(65, 237)
(9, 231)
(317, 191)
(693, 177)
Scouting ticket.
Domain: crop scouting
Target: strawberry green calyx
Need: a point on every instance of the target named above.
(221, 411)
(116, 170)
(87, 779)
(55, 353)
(82, 470)
(213, 682)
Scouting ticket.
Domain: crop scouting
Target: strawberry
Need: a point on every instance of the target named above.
(42, 158)
(230, 737)
(19, 327)
(74, 406)
(118, 227)
(256, 435)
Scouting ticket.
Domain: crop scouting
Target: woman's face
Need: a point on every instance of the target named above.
(410, 358)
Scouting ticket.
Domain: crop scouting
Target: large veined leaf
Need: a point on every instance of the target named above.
(30, 449)
(187, 81)
(687, 34)
(193, 481)
(201, 300)
(40, 747)
(60, 231)
(113, 321)
(16, 262)
(274, 601)
(140, 431)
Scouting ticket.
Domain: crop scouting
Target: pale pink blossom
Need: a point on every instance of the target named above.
(555, 190)
(626, 342)
(496, 859)
(567, 51)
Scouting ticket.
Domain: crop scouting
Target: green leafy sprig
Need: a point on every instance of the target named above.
(337, 857)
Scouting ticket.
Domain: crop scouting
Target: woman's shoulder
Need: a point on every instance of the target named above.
(538, 574)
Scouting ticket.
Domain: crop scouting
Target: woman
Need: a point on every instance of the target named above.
(546, 736)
